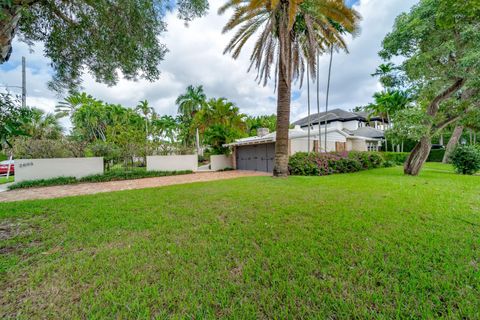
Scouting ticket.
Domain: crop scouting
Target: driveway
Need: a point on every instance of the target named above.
(91, 188)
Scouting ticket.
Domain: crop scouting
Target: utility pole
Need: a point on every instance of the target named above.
(24, 84)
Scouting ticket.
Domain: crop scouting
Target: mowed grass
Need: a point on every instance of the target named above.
(374, 244)
(5, 180)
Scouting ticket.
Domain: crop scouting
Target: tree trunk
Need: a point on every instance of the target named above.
(280, 168)
(420, 153)
(418, 156)
(8, 26)
(452, 143)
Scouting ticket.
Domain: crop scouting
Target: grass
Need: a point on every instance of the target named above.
(112, 175)
(5, 180)
(373, 244)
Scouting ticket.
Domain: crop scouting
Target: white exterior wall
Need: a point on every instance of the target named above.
(351, 125)
(220, 162)
(359, 145)
(172, 163)
(36, 169)
(301, 144)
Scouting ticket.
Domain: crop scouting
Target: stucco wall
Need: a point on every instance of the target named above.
(359, 145)
(350, 125)
(220, 162)
(172, 163)
(35, 169)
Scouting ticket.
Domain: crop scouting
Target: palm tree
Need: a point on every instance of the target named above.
(191, 101)
(68, 106)
(43, 125)
(188, 104)
(291, 33)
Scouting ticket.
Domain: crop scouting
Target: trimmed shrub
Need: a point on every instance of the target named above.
(43, 183)
(389, 164)
(113, 175)
(368, 160)
(320, 164)
(398, 158)
(436, 155)
(466, 159)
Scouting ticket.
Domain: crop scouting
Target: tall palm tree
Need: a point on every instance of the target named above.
(188, 104)
(191, 101)
(291, 33)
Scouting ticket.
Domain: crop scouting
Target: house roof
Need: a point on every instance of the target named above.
(367, 132)
(297, 133)
(335, 115)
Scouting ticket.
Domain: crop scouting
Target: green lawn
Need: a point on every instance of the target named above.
(374, 244)
(5, 180)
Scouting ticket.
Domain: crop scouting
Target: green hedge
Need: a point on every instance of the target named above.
(398, 158)
(3, 157)
(113, 175)
(436, 155)
(319, 164)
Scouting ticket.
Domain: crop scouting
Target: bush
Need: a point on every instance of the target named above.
(389, 164)
(319, 164)
(436, 155)
(398, 158)
(43, 183)
(118, 174)
(113, 175)
(368, 160)
(466, 159)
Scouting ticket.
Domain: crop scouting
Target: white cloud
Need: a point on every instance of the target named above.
(195, 57)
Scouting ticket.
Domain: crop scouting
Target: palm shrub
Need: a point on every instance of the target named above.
(466, 159)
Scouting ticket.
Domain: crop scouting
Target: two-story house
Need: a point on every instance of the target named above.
(344, 131)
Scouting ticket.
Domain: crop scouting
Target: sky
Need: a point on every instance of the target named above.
(196, 57)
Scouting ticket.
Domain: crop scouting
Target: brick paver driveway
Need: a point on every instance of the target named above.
(91, 188)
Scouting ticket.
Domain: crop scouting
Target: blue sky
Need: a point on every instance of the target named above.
(196, 57)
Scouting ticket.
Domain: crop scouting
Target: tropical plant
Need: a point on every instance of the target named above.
(439, 56)
(291, 33)
(219, 122)
(13, 118)
(43, 125)
(101, 37)
(188, 104)
(266, 121)
(466, 159)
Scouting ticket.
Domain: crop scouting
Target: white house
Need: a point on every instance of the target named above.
(345, 131)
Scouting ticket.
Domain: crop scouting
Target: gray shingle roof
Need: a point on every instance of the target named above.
(368, 132)
(334, 115)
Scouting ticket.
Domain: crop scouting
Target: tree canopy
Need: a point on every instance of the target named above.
(105, 38)
(440, 41)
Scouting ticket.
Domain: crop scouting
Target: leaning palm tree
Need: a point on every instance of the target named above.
(290, 34)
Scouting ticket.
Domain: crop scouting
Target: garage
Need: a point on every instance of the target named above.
(257, 157)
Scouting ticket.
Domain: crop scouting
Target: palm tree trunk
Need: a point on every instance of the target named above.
(280, 168)
(308, 103)
(327, 95)
(452, 143)
(318, 106)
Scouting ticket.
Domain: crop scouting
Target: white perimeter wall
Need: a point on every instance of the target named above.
(220, 162)
(172, 163)
(35, 169)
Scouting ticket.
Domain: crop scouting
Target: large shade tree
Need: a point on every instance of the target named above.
(290, 33)
(101, 37)
(440, 41)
